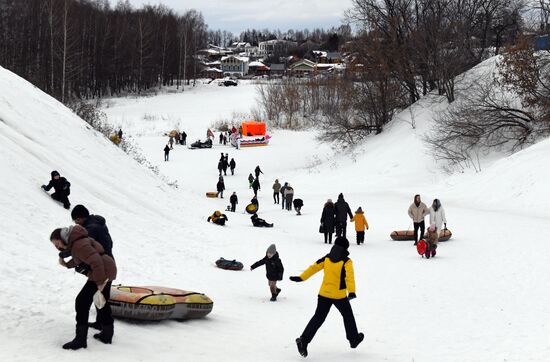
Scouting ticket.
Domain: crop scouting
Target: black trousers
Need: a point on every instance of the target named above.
(233, 207)
(61, 197)
(84, 301)
(341, 228)
(360, 237)
(276, 197)
(232, 171)
(283, 199)
(421, 226)
(289, 202)
(323, 307)
(328, 237)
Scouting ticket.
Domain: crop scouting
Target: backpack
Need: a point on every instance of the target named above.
(422, 247)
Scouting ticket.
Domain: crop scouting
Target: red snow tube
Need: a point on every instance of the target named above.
(421, 246)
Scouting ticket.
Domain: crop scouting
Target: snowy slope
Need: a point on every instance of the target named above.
(483, 298)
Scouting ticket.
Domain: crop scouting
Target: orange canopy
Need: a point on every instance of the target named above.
(253, 128)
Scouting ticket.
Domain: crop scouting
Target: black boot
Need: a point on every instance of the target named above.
(273, 297)
(302, 347)
(278, 291)
(355, 342)
(95, 325)
(106, 334)
(79, 340)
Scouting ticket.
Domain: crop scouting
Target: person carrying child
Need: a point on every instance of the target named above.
(360, 225)
(274, 270)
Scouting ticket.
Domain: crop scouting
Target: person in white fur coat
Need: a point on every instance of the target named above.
(437, 215)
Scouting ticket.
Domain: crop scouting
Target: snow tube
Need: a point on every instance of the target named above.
(229, 264)
(421, 247)
(252, 208)
(158, 303)
(402, 235)
(212, 194)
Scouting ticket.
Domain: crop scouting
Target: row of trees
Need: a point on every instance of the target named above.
(85, 48)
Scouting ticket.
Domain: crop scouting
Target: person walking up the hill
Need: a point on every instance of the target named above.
(97, 229)
(289, 195)
(233, 200)
(166, 153)
(250, 180)
(220, 186)
(342, 211)
(171, 142)
(221, 138)
(232, 165)
(225, 164)
(276, 190)
(256, 186)
(220, 167)
(88, 258)
(274, 270)
(183, 138)
(120, 134)
(328, 220)
(360, 225)
(283, 189)
(257, 171)
(417, 212)
(437, 216)
(62, 189)
(337, 289)
(177, 138)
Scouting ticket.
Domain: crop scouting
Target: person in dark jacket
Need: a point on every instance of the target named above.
(220, 187)
(341, 212)
(338, 289)
(183, 138)
(221, 138)
(218, 218)
(97, 229)
(232, 165)
(120, 134)
(298, 204)
(255, 201)
(62, 189)
(283, 195)
(88, 258)
(250, 180)
(233, 200)
(259, 223)
(256, 186)
(257, 171)
(328, 221)
(274, 270)
(220, 167)
(166, 153)
(225, 164)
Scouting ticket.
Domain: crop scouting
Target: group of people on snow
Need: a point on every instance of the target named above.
(334, 217)
(178, 138)
(438, 222)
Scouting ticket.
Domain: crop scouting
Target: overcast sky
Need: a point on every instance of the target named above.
(238, 15)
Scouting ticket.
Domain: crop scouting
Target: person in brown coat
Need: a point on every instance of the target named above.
(88, 258)
(417, 212)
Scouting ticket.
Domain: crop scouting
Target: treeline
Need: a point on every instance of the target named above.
(86, 48)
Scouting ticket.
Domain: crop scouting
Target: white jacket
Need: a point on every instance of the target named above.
(437, 217)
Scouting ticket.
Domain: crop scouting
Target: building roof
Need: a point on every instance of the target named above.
(256, 64)
(242, 59)
(277, 67)
(305, 62)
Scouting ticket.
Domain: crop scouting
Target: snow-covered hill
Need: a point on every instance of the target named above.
(483, 298)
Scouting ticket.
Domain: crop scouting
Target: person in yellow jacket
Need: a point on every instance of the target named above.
(218, 218)
(338, 288)
(360, 225)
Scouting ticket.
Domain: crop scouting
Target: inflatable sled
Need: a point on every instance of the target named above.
(229, 264)
(403, 235)
(158, 303)
(252, 208)
(199, 144)
(212, 194)
(422, 247)
(254, 141)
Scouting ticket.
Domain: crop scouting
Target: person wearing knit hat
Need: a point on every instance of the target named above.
(62, 189)
(274, 270)
(341, 212)
(338, 288)
(360, 225)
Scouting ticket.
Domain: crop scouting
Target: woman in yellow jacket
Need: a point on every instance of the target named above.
(360, 225)
(338, 288)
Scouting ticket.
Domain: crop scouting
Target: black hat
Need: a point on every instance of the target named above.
(54, 173)
(79, 211)
(342, 241)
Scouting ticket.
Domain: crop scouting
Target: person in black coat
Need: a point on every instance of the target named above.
(225, 164)
(341, 212)
(256, 186)
(232, 166)
(259, 223)
(183, 137)
(220, 167)
(274, 270)
(283, 195)
(97, 229)
(328, 220)
(62, 189)
(298, 204)
(233, 200)
(220, 187)
(257, 171)
(166, 152)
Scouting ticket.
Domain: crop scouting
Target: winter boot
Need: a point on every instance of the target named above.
(302, 347)
(427, 254)
(106, 334)
(355, 342)
(273, 297)
(433, 253)
(278, 291)
(79, 340)
(95, 325)
(67, 206)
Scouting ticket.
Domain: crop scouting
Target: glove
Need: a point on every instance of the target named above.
(351, 296)
(296, 279)
(43, 187)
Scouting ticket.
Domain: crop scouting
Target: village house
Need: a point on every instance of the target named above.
(234, 66)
